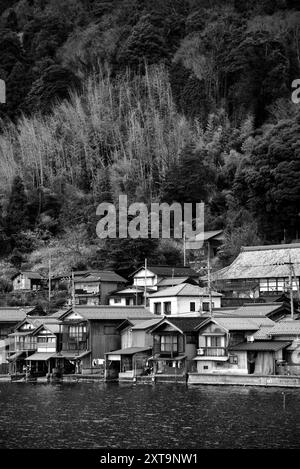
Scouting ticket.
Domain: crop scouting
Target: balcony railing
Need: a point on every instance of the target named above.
(20, 346)
(212, 352)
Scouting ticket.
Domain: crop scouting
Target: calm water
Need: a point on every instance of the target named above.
(93, 415)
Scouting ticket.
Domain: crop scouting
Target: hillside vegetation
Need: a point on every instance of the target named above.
(170, 100)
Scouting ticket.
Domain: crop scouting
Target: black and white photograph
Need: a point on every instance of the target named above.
(149, 229)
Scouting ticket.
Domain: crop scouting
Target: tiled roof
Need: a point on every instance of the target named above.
(262, 262)
(208, 235)
(29, 274)
(169, 271)
(186, 324)
(101, 275)
(286, 327)
(261, 346)
(185, 289)
(171, 281)
(256, 309)
(128, 351)
(14, 314)
(111, 312)
(240, 323)
(142, 325)
(263, 333)
(59, 313)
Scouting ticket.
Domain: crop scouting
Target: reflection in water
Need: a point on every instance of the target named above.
(98, 415)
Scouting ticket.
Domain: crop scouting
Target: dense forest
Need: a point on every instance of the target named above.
(162, 100)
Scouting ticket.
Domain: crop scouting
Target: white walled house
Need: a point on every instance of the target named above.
(27, 281)
(182, 299)
(155, 274)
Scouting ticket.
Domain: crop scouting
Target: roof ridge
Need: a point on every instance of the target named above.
(270, 247)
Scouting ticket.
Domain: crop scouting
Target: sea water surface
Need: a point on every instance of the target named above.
(99, 415)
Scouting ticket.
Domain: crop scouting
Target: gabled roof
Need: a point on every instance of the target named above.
(51, 327)
(209, 235)
(258, 309)
(183, 325)
(37, 321)
(286, 328)
(104, 312)
(133, 322)
(238, 324)
(128, 351)
(263, 333)
(262, 262)
(144, 325)
(262, 346)
(15, 313)
(100, 276)
(29, 274)
(169, 271)
(172, 281)
(184, 289)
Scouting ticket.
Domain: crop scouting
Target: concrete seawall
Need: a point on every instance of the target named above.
(244, 380)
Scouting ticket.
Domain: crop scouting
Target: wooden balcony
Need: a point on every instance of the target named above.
(22, 346)
(212, 352)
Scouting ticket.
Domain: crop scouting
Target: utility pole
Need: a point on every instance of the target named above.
(145, 286)
(184, 249)
(209, 279)
(73, 291)
(49, 283)
(291, 293)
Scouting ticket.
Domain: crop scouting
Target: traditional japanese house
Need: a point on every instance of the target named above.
(88, 332)
(219, 339)
(153, 275)
(183, 299)
(275, 311)
(28, 280)
(9, 318)
(261, 271)
(94, 288)
(23, 342)
(131, 359)
(175, 345)
(286, 331)
(46, 339)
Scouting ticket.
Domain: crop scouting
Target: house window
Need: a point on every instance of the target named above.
(214, 341)
(233, 359)
(205, 305)
(192, 306)
(167, 307)
(157, 308)
(77, 332)
(127, 301)
(168, 343)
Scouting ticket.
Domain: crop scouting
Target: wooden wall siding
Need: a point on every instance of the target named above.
(106, 288)
(100, 343)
